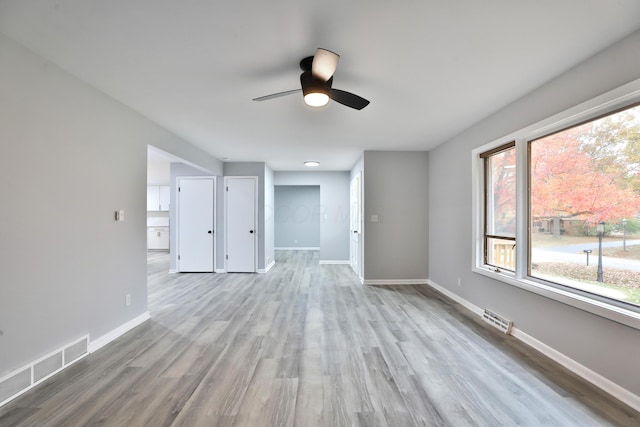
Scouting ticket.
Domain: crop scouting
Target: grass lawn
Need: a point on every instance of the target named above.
(633, 252)
(624, 281)
(621, 280)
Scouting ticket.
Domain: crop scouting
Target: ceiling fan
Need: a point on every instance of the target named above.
(316, 80)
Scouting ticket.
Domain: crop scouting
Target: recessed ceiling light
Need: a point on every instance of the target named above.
(311, 163)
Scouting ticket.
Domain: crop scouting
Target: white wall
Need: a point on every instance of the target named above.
(334, 207)
(608, 348)
(69, 157)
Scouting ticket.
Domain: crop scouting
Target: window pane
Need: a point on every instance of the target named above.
(501, 194)
(501, 253)
(580, 177)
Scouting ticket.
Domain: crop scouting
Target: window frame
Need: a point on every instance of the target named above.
(486, 156)
(618, 99)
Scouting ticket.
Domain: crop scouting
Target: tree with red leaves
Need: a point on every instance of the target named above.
(588, 172)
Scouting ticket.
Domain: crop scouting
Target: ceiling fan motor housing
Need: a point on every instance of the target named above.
(315, 92)
(306, 63)
(311, 84)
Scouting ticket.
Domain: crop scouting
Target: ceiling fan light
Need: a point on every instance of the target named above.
(314, 91)
(316, 99)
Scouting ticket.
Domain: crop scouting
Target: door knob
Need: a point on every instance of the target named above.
(210, 232)
(251, 231)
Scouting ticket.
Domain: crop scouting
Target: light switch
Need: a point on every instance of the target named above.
(374, 218)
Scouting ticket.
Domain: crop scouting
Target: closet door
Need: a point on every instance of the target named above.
(195, 224)
(241, 218)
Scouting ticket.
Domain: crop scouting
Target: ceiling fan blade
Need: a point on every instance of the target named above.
(277, 95)
(324, 64)
(349, 99)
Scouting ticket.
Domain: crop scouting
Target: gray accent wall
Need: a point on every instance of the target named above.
(608, 348)
(297, 216)
(395, 191)
(334, 208)
(70, 156)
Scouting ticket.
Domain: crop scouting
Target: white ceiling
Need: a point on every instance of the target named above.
(430, 68)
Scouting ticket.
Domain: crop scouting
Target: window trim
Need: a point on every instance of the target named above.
(485, 156)
(620, 98)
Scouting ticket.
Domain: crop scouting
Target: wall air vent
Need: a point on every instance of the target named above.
(497, 321)
(17, 382)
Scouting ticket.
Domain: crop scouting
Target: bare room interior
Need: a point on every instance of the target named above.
(319, 214)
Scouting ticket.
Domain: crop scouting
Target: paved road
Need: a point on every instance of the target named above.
(573, 249)
(573, 254)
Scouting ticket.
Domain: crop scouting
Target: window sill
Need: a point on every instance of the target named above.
(599, 308)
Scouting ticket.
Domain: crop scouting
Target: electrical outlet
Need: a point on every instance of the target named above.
(127, 299)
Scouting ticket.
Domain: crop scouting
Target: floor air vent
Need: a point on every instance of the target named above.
(497, 321)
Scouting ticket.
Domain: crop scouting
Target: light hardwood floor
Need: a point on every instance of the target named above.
(307, 345)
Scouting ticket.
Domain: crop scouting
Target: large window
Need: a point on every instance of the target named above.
(584, 207)
(558, 209)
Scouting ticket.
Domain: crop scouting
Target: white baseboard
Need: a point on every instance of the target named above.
(395, 281)
(220, 270)
(173, 271)
(594, 378)
(582, 371)
(471, 307)
(269, 267)
(334, 261)
(297, 248)
(117, 332)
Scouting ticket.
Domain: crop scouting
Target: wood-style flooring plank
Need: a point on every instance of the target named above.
(308, 345)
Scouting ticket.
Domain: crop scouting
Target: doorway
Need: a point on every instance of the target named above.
(356, 225)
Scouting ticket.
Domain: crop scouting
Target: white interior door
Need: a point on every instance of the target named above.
(241, 218)
(356, 225)
(196, 224)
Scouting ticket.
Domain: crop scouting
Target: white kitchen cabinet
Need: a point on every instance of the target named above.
(165, 196)
(158, 197)
(153, 197)
(158, 238)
